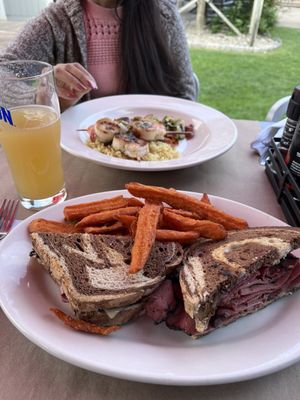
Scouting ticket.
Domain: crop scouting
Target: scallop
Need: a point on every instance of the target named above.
(106, 129)
(149, 129)
(130, 146)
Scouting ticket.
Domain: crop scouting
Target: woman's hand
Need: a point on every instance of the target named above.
(73, 81)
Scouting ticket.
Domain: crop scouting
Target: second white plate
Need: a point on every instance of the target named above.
(215, 133)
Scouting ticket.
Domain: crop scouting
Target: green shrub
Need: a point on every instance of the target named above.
(239, 13)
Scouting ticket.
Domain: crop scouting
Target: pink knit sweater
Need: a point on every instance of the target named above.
(102, 29)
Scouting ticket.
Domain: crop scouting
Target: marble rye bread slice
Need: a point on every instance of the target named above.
(245, 259)
(92, 272)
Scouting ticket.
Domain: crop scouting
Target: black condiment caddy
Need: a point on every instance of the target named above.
(283, 183)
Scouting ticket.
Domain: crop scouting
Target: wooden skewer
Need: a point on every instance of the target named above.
(175, 133)
(167, 132)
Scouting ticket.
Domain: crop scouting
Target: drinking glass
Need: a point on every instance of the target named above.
(30, 131)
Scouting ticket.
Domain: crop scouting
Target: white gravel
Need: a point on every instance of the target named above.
(230, 42)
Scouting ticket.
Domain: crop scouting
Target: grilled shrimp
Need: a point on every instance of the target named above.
(149, 128)
(130, 146)
(105, 129)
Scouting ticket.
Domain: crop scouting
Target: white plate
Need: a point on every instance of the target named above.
(215, 133)
(253, 346)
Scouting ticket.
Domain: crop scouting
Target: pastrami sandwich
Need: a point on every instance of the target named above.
(223, 281)
(92, 273)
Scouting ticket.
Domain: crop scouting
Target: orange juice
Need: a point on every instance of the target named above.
(32, 148)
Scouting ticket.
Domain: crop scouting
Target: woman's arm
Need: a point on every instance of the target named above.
(37, 41)
(178, 44)
(34, 42)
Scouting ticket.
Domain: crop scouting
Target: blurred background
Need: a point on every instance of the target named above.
(242, 70)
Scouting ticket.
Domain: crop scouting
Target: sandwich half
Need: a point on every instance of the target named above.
(223, 281)
(92, 273)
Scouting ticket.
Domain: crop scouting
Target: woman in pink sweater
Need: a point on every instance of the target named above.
(107, 47)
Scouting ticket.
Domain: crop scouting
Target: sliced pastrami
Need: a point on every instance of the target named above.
(256, 291)
(161, 302)
(250, 294)
(180, 320)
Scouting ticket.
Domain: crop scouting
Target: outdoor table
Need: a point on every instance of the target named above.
(28, 372)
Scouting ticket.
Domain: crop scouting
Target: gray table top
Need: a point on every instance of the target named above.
(28, 372)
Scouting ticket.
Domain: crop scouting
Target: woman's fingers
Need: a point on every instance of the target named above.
(66, 80)
(81, 74)
(87, 76)
(73, 81)
(67, 94)
(73, 78)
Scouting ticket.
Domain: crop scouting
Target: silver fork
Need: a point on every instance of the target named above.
(8, 211)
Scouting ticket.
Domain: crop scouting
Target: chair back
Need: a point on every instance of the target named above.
(197, 85)
(278, 110)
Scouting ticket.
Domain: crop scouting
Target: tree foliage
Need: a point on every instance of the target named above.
(239, 13)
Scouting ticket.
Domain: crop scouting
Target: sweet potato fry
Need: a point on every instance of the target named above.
(185, 202)
(145, 236)
(43, 225)
(126, 220)
(167, 235)
(114, 228)
(83, 326)
(79, 211)
(163, 235)
(133, 228)
(205, 228)
(160, 224)
(205, 198)
(184, 213)
(129, 222)
(106, 216)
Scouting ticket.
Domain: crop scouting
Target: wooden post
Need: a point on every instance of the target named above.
(255, 20)
(188, 6)
(191, 4)
(200, 19)
(223, 17)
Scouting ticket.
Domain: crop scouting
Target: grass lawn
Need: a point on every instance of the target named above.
(245, 85)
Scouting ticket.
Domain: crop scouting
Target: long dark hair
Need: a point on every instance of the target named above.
(147, 62)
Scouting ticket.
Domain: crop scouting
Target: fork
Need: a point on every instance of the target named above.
(7, 215)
